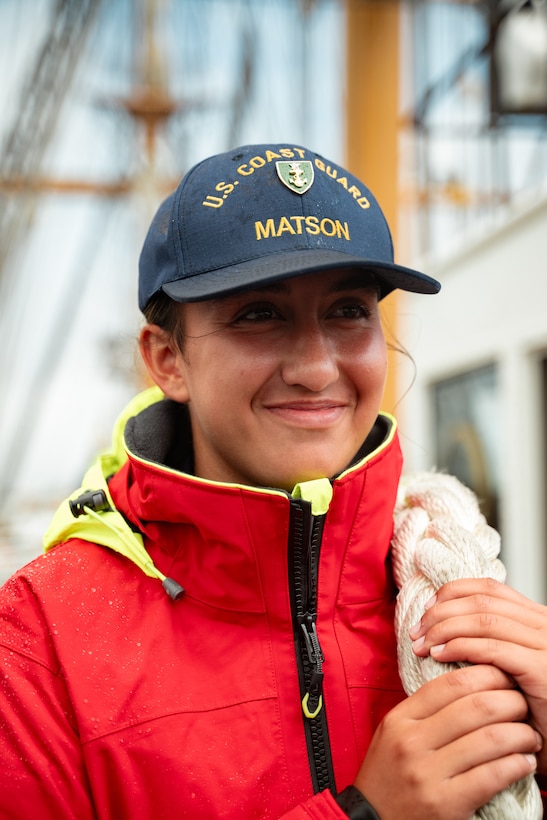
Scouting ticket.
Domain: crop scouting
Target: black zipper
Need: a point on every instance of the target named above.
(304, 546)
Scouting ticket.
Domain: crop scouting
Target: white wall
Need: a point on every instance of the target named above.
(492, 308)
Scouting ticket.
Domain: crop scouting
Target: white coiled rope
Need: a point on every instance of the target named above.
(440, 535)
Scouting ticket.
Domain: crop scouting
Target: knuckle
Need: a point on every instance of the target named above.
(487, 620)
(391, 721)
(492, 707)
(494, 734)
(459, 679)
(492, 647)
(482, 705)
(469, 678)
(405, 740)
(483, 601)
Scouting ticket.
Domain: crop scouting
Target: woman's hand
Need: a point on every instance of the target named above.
(485, 622)
(449, 748)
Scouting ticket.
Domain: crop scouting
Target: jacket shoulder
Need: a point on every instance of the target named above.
(72, 577)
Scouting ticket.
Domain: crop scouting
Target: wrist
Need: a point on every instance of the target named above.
(356, 805)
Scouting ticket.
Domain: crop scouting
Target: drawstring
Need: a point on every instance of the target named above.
(91, 503)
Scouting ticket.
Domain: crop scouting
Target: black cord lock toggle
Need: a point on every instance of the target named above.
(94, 499)
(173, 589)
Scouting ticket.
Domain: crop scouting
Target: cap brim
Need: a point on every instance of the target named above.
(272, 268)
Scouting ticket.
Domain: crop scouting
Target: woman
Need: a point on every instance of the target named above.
(257, 481)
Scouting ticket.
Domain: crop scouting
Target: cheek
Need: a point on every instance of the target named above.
(221, 390)
(373, 368)
(382, 365)
(247, 373)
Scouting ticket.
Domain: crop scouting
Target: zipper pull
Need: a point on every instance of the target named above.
(315, 689)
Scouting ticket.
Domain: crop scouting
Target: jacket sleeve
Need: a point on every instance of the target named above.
(542, 783)
(320, 807)
(40, 753)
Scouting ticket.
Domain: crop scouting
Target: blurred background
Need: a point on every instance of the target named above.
(440, 107)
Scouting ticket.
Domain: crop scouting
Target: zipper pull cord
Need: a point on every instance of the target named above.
(315, 654)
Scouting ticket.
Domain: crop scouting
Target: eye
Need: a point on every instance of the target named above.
(351, 310)
(258, 313)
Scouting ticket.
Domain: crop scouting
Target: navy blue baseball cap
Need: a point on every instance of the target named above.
(262, 213)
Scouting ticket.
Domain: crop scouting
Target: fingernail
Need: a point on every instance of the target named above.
(418, 644)
(436, 650)
(415, 629)
(532, 760)
(432, 601)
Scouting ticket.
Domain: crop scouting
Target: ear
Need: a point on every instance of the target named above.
(164, 362)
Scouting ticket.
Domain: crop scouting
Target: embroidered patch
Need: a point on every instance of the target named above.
(297, 175)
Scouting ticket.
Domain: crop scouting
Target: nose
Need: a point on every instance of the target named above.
(310, 359)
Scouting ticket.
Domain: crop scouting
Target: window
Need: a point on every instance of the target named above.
(467, 431)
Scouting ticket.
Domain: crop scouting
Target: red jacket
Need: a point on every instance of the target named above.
(118, 702)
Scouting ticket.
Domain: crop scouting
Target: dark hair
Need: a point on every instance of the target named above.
(163, 311)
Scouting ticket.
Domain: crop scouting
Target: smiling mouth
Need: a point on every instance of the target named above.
(308, 414)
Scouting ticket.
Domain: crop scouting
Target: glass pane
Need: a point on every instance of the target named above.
(467, 429)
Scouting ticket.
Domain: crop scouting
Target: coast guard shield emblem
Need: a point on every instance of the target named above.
(297, 175)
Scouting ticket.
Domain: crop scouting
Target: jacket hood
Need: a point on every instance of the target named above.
(155, 430)
(90, 514)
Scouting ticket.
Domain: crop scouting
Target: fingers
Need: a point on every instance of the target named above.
(478, 716)
(450, 747)
(483, 621)
(482, 783)
(477, 617)
(455, 686)
(491, 742)
(479, 639)
(480, 621)
(464, 587)
(476, 711)
(486, 595)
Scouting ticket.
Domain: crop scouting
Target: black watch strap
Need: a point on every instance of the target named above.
(356, 805)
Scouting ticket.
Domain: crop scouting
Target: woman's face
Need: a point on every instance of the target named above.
(284, 382)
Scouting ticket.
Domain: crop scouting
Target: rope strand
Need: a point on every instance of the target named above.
(440, 535)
